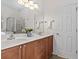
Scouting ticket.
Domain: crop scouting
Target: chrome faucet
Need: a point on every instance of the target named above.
(51, 24)
(11, 37)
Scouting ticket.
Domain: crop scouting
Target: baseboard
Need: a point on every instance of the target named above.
(57, 55)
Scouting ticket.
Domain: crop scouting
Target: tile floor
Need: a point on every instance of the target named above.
(56, 57)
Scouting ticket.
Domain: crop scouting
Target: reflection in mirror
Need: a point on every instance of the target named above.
(14, 25)
(17, 17)
(10, 24)
(3, 24)
(20, 24)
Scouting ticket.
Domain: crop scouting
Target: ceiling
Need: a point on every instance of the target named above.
(43, 4)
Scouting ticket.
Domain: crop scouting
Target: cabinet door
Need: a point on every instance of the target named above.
(11, 53)
(40, 50)
(28, 51)
(47, 46)
(50, 46)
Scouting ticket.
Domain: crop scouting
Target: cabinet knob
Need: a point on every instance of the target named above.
(20, 46)
(57, 33)
(24, 45)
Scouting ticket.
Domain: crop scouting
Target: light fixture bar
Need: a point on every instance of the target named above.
(29, 4)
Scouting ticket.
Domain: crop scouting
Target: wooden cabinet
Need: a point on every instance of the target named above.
(47, 46)
(39, 49)
(33, 50)
(50, 46)
(11, 53)
(28, 51)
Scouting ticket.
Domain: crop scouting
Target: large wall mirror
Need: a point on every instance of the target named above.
(15, 17)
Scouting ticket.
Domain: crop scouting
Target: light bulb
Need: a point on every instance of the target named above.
(27, 5)
(25, 1)
(31, 7)
(36, 6)
(20, 2)
(31, 2)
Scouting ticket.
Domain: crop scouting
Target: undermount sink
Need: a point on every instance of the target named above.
(19, 36)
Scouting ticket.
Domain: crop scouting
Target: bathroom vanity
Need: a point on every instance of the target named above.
(33, 48)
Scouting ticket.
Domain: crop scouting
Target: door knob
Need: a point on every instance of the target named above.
(57, 33)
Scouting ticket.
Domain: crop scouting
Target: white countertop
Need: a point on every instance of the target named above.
(20, 40)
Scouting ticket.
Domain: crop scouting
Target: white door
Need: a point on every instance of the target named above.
(66, 32)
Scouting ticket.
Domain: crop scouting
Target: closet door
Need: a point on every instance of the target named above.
(65, 43)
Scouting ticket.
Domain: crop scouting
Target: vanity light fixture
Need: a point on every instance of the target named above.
(28, 4)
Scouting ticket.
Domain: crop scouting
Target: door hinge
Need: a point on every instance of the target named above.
(76, 51)
(76, 30)
(76, 9)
